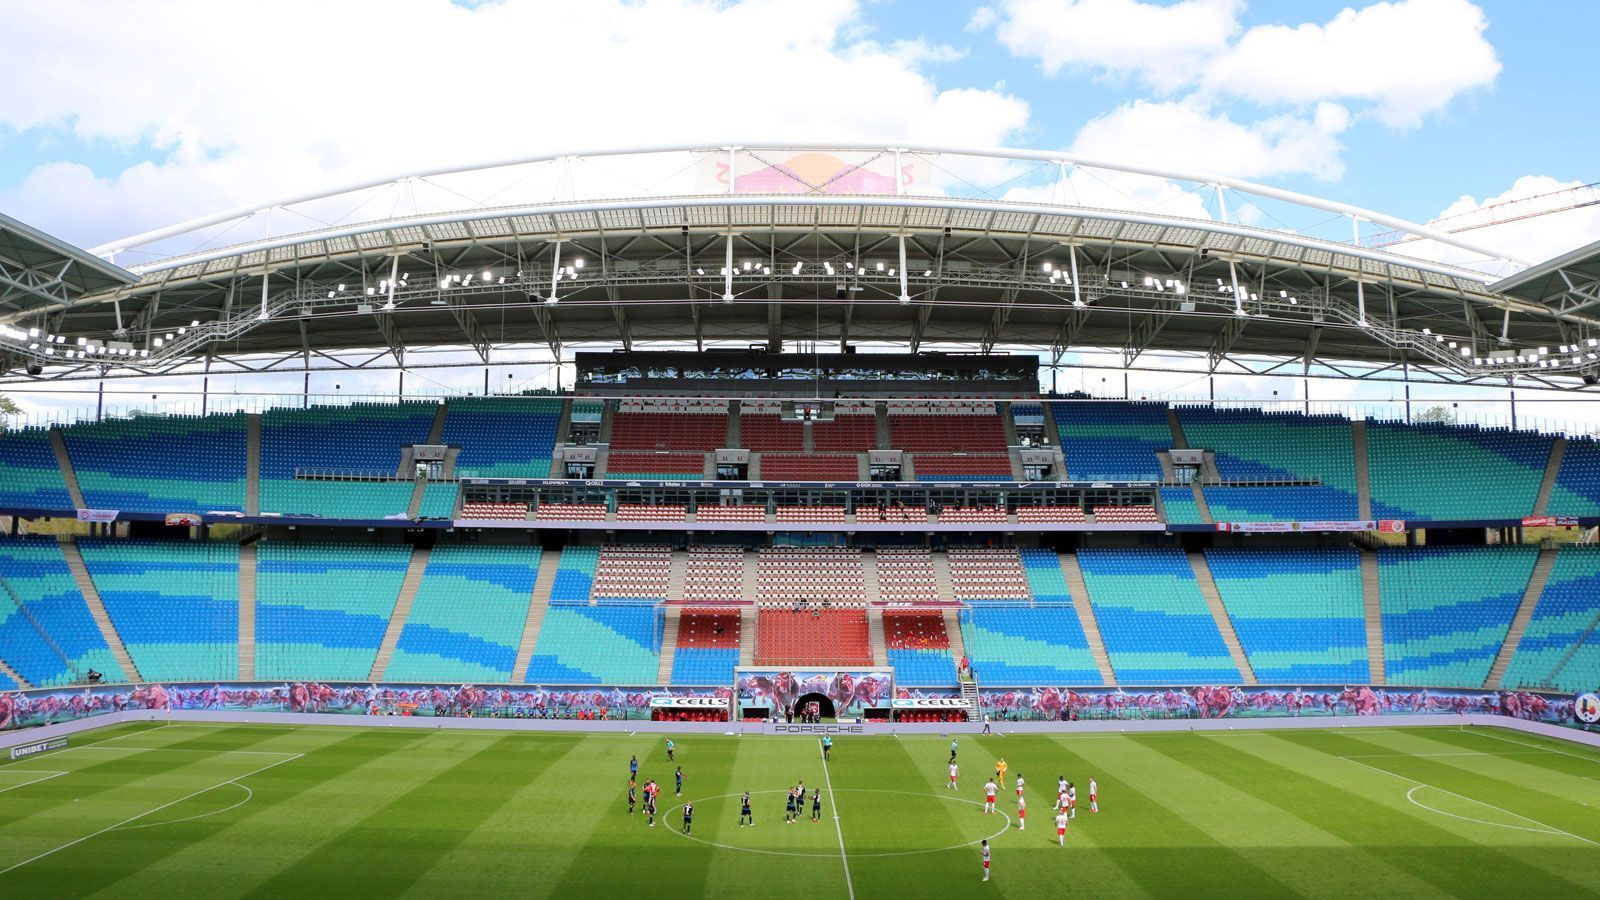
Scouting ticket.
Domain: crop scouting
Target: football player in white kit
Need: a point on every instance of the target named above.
(1061, 827)
(988, 793)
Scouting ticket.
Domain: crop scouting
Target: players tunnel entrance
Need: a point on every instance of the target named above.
(817, 706)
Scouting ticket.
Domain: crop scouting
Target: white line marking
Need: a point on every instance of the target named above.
(1494, 753)
(248, 796)
(849, 886)
(75, 842)
(47, 777)
(1505, 740)
(187, 750)
(1551, 828)
(1441, 812)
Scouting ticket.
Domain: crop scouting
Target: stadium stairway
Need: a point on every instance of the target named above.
(538, 605)
(252, 470)
(874, 591)
(952, 628)
(1370, 598)
(1208, 590)
(1073, 574)
(1358, 446)
(942, 582)
(671, 618)
(247, 611)
(1530, 600)
(1180, 441)
(1201, 504)
(875, 635)
(747, 632)
(1558, 450)
(677, 577)
(97, 608)
(68, 474)
(402, 611)
(8, 672)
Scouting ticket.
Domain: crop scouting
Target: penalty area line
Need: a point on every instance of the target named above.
(149, 812)
(849, 886)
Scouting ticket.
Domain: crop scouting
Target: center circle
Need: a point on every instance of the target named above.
(667, 817)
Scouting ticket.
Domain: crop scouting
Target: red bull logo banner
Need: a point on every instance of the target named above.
(810, 172)
(1233, 702)
(23, 709)
(848, 691)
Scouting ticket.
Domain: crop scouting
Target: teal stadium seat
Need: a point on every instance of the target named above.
(1298, 612)
(29, 476)
(1155, 622)
(466, 621)
(159, 463)
(502, 437)
(1452, 473)
(1554, 653)
(175, 604)
(322, 608)
(1446, 610)
(37, 574)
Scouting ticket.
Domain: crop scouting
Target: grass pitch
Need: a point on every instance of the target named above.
(210, 811)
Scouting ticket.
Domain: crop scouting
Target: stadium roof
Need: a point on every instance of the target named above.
(1569, 282)
(917, 247)
(39, 274)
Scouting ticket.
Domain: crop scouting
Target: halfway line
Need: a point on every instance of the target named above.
(837, 829)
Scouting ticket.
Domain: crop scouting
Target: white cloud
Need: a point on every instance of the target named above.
(1402, 59)
(1163, 45)
(242, 106)
(1187, 135)
(1518, 232)
(1408, 58)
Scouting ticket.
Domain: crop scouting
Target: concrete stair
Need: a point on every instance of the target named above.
(669, 644)
(942, 581)
(958, 641)
(869, 576)
(1200, 502)
(1519, 622)
(885, 441)
(972, 699)
(11, 673)
(538, 605)
(747, 635)
(1219, 613)
(1584, 638)
(1558, 449)
(1180, 441)
(252, 465)
(64, 462)
(402, 611)
(1374, 611)
(247, 611)
(677, 576)
(747, 588)
(436, 433)
(1073, 574)
(875, 633)
(1358, 447)
(91, 596)
(418, 486)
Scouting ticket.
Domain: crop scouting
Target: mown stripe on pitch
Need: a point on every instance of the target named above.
(1493, 780)
(130, 765)
(1352, 869)
(1167, 855)
(622, 856)
(147, 861)
(386, 851)
(1458, 861)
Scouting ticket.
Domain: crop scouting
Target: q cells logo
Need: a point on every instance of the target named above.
(1587, 709)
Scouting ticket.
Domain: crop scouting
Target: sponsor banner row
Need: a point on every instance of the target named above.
(1393, 526)
(849, 691)
(49, 706)
(23, 751)
(1550, 521)
(1234, 702)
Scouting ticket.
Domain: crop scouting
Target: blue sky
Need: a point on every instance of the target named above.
(133, 116)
